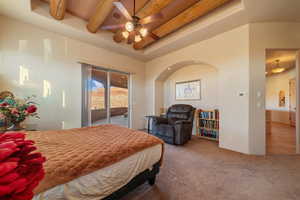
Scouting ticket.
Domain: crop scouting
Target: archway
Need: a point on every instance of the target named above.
(165, 82)
(159, 101)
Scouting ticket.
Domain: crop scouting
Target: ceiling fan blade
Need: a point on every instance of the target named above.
(112, 27)
(123, 10)
(154, 36)
(151, 18)
(130, 39)
(118, 37)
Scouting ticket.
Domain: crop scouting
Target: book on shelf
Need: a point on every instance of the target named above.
(209, 114)
(209, 133)
(208, 124)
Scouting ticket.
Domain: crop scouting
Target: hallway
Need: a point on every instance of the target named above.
(281, 139)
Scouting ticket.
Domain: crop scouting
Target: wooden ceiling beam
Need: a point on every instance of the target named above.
(58, 9)
(104, 7)
(153, 7)
(194, 12)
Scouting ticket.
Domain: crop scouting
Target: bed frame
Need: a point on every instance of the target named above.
(147, 175)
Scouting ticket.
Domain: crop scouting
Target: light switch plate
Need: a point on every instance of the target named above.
(241, 94)
(258, 94)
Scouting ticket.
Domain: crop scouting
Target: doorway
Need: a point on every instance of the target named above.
(105, 97)
(281, 101)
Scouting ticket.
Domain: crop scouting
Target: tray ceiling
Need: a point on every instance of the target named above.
(176, 14)
(225, 18)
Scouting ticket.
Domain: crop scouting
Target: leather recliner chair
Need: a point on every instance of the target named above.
(177, 126)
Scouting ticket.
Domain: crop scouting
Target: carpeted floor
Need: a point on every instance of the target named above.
(201, 171)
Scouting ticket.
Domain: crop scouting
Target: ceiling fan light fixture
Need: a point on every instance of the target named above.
(278, 70)
(129, 26)
(137, 38)
(125, 34)
(134, 29)
(143, 32)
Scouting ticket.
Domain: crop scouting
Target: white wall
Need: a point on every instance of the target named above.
(54, 58)
(209, 86)
(276, 83)
(229, 53)
(263, 36)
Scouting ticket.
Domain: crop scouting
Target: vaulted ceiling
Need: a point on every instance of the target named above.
(102, 13)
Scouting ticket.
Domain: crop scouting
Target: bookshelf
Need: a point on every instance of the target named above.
(207, 124)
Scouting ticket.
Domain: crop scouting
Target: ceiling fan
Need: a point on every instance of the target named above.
(134, 30)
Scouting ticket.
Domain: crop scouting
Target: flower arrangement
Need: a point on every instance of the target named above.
(14, 111)
(21, 167)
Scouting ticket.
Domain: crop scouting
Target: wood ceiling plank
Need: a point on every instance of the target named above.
(153, 7)
(194, 12)
(58, 9)
(102, 10)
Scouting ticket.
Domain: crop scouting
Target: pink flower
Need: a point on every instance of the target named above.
(31, 109)
(14, 111)
(2, 116)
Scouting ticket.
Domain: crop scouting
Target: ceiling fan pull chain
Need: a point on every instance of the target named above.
(133, 7)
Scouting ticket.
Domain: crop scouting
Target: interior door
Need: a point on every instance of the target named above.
(292, 102)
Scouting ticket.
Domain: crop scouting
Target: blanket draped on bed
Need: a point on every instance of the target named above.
(77, 152)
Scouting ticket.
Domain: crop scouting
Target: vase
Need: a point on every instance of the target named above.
(16, 127)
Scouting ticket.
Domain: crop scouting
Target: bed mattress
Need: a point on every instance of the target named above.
(103, 182)
(73, 153)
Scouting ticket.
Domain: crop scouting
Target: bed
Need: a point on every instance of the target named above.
(101, 162)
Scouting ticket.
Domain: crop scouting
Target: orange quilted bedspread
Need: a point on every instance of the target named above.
(77, 152)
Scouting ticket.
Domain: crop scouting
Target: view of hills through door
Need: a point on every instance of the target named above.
(119, 98)
(109, 97)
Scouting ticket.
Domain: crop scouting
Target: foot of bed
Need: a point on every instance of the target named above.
(151, 181)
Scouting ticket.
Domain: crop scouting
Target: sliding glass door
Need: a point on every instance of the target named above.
(119, 98)
(98, 92)
(105, 97)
